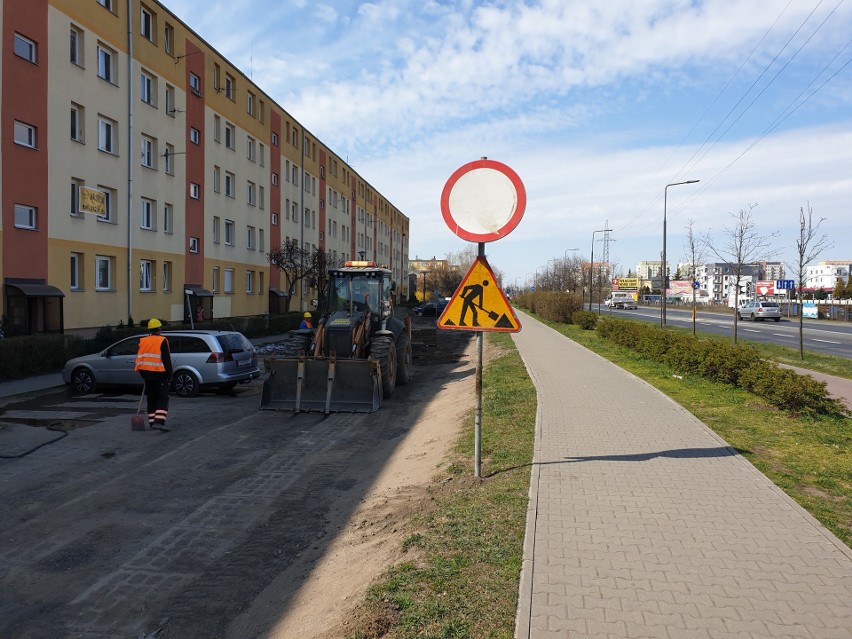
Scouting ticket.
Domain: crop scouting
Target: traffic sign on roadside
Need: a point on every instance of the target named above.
(479, 304)
(483, 201)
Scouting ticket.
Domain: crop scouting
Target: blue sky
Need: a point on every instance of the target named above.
(596, 105)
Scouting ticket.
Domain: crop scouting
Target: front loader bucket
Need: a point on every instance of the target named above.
(326, 385)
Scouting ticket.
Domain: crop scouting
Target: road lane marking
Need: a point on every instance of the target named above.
(782, 335)
(824, 341)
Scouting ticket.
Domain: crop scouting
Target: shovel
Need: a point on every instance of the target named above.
(491, 314)
(137, 421)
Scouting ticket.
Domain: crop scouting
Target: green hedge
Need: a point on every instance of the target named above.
(587, 320)
(553, 306)
(722, 361)
(29, 355)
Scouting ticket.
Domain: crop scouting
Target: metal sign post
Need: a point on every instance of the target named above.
(482, 201)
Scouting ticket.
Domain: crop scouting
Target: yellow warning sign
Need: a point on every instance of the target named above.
(479, 304)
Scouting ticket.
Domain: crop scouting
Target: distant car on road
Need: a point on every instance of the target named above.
(758, 310)
(430, 309)
(202, 360)
(628, 305)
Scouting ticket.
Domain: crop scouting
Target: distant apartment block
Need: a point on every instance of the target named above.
(144, 175)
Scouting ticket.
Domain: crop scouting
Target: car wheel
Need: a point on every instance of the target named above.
(777, 319)
(403, 359)
(753, 318)
(82, 381)
(185, 384)
(383, 350)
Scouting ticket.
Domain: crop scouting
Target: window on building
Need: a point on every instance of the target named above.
(274, 139)
(261, 197)
(229, 280)
(25, 134)
(170, 159)
(109, 203)
(274, 179)
(106, 66)
(75, 279)
(193, 245)
(167, 276)
(250, 235)
(249, 102)
(261, 153)
(106, 4)
(275, 219)
(75, 195)
(146, 27)
(26, 217)
(194, 191)
(217, 179)
(146, 275)
(261, 287)
(168, 220)
(76, 41)
(261, 244)
(215, 279)
(77, 120)
(230, 87)
(106, 135)
(149, 152)
(250, 148)
(230, 184)
(169, 40)
(249, 281)
(216, 237)
(250, 193)
(25, 48)
(217, 77)
(229, 232)
(217, 128)
(194, 135)
(146, 214)
(294, 178)
(147, 89)
(230, 136)
(294, 212)
(194, 84)
(170, 100)
(103, 268)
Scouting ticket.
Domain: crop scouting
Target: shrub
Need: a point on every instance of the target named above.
(556, 306)
(586, 320)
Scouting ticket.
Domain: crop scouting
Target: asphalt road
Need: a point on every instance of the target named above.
(109, 532)
(821, 336)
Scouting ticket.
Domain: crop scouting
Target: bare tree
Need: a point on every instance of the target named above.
(740, 244)
(299, 265)
(694, 256)
(809, 245)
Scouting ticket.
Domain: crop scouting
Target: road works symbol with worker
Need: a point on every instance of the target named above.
(479, 304)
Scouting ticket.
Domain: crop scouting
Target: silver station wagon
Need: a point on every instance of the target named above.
(202, 360)
(760, 311)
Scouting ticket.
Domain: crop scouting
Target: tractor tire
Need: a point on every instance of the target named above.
(383, 351)
(403, 359)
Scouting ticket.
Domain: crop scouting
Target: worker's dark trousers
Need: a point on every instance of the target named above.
(157, 393)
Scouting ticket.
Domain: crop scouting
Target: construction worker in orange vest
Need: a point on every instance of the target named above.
(306, 321)
(154, 363)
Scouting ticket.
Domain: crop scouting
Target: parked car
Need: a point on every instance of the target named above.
(758, 310)
(629, 305)
(202, 360)
(430, 309)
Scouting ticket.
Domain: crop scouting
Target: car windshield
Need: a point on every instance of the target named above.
(233, 343)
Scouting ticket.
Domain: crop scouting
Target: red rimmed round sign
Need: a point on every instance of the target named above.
(483, 201)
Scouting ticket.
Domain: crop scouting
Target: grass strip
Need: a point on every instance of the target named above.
(466, 553)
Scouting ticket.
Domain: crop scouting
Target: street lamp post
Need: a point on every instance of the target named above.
(663, 270)
(423, 272)
(592, 266)
(549, 281)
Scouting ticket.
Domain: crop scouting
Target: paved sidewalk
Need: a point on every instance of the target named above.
(644, 523)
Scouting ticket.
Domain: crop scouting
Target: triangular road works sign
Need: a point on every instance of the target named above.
(479, 304)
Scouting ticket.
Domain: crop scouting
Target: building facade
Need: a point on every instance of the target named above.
(143, 175)
(824, 275)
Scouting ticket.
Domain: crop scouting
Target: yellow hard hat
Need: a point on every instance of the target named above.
(154, 323)
(307, 314)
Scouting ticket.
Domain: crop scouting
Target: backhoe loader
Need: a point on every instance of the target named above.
(357, 355)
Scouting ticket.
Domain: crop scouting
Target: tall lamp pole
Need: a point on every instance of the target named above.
(592, 266)
(663, 270)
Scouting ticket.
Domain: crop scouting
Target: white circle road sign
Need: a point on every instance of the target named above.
(483, 201)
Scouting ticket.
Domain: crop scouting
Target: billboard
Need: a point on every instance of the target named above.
(765, 287)
(625, 284)
(92, 201)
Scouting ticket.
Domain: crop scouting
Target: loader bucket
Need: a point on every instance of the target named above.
(322, 384)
